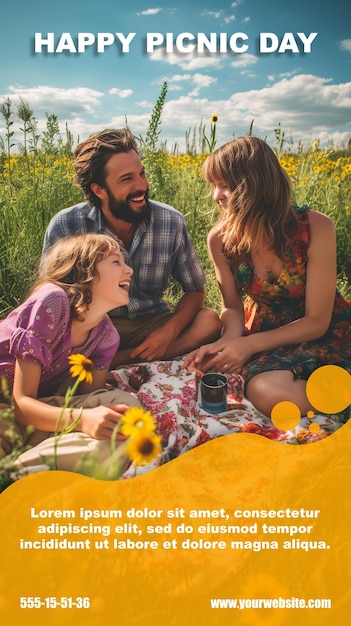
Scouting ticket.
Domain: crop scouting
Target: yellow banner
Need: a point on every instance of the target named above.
(241, 530)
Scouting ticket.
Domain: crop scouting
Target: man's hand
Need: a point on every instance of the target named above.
(155, 346)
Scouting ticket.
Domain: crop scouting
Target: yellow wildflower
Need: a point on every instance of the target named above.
(135, 420)
(143, 447)
(81, 367)
(214, 118)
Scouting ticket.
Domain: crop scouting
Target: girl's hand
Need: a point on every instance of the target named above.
(100, 421)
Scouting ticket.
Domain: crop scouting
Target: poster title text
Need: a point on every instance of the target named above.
(182, 43)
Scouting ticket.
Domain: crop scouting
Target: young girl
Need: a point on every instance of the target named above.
(282, 258)
(82, 278)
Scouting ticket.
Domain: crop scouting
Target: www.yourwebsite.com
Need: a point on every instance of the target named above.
(270, 603)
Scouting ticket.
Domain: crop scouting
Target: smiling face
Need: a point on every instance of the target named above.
(110, 287)
(124, 194)
(221, 192)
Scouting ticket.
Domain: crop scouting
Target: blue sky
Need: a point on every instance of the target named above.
(308, 93)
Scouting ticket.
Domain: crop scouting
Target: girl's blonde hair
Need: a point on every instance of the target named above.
(260, 209)
(71, 264)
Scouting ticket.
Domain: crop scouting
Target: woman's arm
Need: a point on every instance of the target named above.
(98, 422)
(232, 315)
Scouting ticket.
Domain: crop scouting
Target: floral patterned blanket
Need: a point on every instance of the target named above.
(171, 394)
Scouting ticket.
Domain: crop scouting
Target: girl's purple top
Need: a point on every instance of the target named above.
(39, 330)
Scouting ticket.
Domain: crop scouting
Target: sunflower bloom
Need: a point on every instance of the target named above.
(143, 447)
(81, 367)
(214, 118)
(135, 420)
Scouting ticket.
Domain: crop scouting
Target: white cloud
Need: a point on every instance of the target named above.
(145, 104)
(178, 77)
(187, 111)
(199, 81)
(150, 11)
(248, 74)
(307, 107)
(303, 103)
(219, 14)
(345, 44)
(121, 93)
(73, 101)
(137, 123)
(80, 128)
(337, 138)
(215, 14)
(200, 62)
(244, 60)
(203, 80)
(273, 77)
(78, 107)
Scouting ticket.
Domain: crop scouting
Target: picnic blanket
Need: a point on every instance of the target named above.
(171, 394)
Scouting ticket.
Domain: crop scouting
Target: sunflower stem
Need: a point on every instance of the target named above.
(67, 427)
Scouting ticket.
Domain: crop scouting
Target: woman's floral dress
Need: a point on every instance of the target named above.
(271, 305)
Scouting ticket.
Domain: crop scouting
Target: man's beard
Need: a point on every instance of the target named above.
(121, 210)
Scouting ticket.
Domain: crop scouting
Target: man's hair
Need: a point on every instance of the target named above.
(91, 156)
(71, 264)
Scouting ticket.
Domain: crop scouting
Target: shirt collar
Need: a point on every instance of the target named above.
(96, 215)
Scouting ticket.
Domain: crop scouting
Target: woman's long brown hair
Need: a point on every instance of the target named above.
(259, 211)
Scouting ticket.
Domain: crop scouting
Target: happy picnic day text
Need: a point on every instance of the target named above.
(166, 43)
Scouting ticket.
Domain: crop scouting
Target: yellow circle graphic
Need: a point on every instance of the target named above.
(328, 389)
(314, 428)
(286, 415)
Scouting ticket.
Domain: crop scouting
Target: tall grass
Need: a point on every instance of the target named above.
(32, 189)
(36, 183)
(322, 180)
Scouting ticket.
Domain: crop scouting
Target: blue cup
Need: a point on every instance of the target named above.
(214, 392)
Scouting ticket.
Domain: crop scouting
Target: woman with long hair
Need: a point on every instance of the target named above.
(275, 264)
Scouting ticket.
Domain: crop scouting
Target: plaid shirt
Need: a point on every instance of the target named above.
(161, 248)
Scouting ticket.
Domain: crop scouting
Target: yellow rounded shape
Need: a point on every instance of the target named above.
(314, 428)
(328, 389)
(285, 415)
(310, 414)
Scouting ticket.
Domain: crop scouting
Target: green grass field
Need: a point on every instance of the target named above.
(36, 182)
